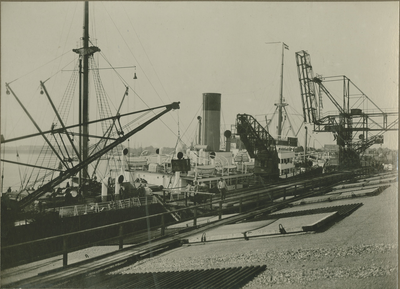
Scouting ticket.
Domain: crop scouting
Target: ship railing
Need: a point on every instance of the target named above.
(84, 209)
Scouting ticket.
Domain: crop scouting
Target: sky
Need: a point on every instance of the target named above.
(184, 49)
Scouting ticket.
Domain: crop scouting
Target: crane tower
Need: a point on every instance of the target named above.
(357, 122)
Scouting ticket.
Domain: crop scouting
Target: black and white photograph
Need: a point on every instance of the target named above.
(199, 144)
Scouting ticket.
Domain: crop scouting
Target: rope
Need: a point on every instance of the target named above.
(144, 73)
(129, 18)
(65, 148)
(4, 152)
(130, 50)
(51, 76)
(127, 85)
(113, 68)
(67, 36)
(19, 168)
(192, 120)
(59, 148)
(38, 68)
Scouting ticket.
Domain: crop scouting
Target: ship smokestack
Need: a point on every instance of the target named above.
(211, 120)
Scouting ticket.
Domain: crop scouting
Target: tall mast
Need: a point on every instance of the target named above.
(85, 53)
(85, 89)
(281, 103)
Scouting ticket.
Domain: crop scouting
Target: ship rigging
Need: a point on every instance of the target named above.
(61, 153)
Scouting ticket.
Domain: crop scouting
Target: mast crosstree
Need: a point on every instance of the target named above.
(281, 104)
(85, 53)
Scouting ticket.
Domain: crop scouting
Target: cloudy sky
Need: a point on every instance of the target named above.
(184, 49)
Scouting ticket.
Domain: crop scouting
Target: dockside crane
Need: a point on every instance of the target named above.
(355, 126)
(259, 144)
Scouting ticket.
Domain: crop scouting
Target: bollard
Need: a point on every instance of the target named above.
(121, 237)
(220, 211)
(195, 218)
(211, 202)
(284, 193)
(65, 252)
(162, 225)
(186, 199)
(240, 204)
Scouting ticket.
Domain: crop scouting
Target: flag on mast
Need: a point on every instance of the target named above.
(285, 46)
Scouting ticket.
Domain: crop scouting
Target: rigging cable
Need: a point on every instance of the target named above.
(38, 68)
(178, 140)
(126, 84)
(4, 151)
(67, 36)
(144, 73)
(133, 55)
(129, 18)
(19, 168)
(192, 120)
(2, 171)
(93, 19)
(59, 147)
(51, 76)
(104, 108)
(65, 148)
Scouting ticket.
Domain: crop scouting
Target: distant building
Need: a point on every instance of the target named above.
(331, 148)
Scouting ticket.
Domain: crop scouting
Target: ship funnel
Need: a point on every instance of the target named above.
(211, 121)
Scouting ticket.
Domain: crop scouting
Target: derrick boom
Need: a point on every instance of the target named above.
(259, 144)
(74, 170)
(307, 87)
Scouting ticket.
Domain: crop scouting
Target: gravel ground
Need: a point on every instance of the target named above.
(288, 268)
(256, 257)
(309, 278)
(358, 252)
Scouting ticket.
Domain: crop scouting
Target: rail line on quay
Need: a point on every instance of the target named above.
(260, 201)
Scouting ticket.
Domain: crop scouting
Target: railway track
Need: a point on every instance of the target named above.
(233, 277)
(126, 256)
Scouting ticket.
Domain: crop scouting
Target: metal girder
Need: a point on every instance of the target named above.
(259, 144)
(365, 122)
(349, 118)
(307, 87)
